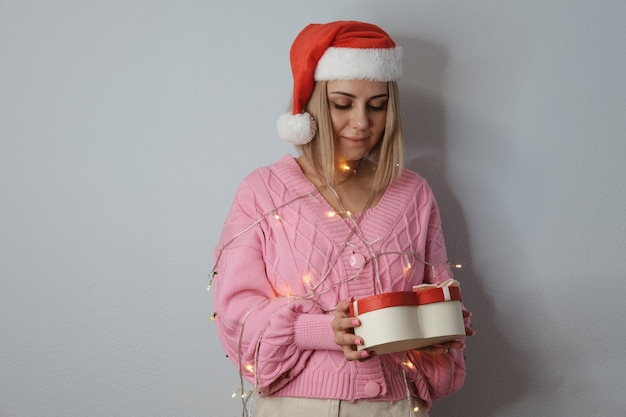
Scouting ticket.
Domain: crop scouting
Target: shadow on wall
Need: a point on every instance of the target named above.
(496, 369)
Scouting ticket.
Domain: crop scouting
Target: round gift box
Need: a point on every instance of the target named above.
(400, 321)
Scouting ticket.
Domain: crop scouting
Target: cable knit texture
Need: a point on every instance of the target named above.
(283, 264)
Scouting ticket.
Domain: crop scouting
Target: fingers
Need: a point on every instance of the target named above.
(468, 330)
(344, 307)
(343, 326)
(343, 323)
(357, 355)
(344, 331)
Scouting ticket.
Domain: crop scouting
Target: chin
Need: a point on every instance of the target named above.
(353, 152)
(352, 155)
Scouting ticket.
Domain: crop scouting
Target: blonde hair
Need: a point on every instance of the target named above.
(388, 154)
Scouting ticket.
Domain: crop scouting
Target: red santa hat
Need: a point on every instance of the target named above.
(344, 50)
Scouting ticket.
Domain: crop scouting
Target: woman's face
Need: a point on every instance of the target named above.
(358, 111)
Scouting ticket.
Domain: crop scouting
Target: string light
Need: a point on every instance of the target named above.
(211, 278)
(409, 263)
(307, 281)
(235, 394)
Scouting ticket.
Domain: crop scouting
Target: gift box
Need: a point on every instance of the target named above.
(405, 320)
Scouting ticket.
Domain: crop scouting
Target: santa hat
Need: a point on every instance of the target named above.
(344, 50)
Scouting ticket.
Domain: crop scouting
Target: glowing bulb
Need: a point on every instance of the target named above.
(409, 364)
(331, 214)
(416, 409)
(276, 216)
(307, 280)
(345, 167)
(458, 266)
(234, 394)
(250, 368)
(407, 265)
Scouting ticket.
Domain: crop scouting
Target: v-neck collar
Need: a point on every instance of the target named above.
(375, 222)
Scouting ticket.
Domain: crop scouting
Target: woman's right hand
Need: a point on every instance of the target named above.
(343, 326)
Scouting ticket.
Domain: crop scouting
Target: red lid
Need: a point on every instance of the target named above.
(390, 299)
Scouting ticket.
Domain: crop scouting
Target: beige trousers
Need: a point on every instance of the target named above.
(311, 407)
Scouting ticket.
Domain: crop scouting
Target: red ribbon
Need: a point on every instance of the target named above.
(437, 295)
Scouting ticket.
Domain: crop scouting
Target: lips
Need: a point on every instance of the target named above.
(355, 139)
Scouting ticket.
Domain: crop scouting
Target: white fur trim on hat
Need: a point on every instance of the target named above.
(296, 128)
(384, 64)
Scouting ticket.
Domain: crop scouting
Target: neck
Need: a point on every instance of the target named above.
(344, 171)
(347, 169)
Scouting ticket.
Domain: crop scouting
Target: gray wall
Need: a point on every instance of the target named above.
(126, 126)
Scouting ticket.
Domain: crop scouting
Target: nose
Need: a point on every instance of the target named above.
(360, 118)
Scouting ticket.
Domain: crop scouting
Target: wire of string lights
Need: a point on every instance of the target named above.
(314, 290)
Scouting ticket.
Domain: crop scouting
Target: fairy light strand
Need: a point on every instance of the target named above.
(315, 290)
(247, 229)
(406, 383)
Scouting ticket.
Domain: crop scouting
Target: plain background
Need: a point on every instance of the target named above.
(127, 125)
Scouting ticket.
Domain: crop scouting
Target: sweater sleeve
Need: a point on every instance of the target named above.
(437, 376)
(438, 269)
(267, 334)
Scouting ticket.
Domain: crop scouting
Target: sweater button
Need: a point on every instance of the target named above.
(372, 389)
(357, 260)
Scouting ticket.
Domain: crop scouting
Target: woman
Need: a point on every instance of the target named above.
(344, 220)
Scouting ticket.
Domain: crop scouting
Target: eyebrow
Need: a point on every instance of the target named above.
(353, 96)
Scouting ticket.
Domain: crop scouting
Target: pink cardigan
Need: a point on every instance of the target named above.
(283, 264)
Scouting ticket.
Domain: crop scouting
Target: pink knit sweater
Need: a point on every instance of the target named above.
(283, 264)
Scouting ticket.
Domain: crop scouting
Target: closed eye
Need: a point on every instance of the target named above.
(378, 108)
(372, 107)
(341, 106)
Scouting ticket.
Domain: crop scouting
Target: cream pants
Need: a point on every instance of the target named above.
(310, 407)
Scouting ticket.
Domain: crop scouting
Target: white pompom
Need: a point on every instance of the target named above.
(296, 128)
